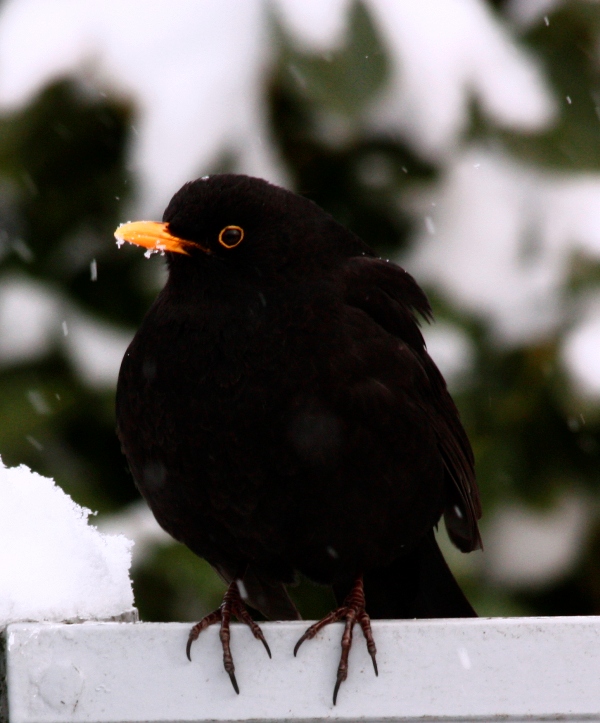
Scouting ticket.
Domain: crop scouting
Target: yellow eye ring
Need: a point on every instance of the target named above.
(231, 236)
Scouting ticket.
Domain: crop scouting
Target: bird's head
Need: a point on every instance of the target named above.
(244, 225)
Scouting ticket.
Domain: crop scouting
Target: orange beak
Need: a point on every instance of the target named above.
(151, 235)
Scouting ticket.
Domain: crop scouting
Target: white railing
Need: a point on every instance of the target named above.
(516, 669)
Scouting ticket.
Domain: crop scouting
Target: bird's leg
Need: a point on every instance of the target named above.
(352, 611)
(232, 604)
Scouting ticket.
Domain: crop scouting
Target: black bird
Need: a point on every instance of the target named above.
(280, 413)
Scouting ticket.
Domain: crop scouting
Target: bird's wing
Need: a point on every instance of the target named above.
(393, 299)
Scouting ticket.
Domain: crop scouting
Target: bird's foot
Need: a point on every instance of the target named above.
(232, 604)
(352, 611)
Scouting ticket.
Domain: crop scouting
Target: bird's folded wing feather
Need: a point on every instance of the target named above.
(392, 298)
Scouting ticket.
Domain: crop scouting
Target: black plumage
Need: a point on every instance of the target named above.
(280, 413)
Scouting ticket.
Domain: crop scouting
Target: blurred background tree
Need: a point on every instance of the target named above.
(490, 197)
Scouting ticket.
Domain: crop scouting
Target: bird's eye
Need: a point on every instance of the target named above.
(231, 236)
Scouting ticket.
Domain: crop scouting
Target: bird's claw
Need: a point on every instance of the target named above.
(206, 621)
(234, 681)
(232, 604)
(239, 610)
(352, 611)
(332, 617)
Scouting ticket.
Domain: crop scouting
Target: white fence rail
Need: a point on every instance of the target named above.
(515, 669)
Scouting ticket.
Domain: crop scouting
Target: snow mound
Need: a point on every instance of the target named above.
(53, 565)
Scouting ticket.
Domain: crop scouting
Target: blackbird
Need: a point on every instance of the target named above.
(281, 415)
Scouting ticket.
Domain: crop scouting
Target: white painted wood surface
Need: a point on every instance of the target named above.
(517, 669)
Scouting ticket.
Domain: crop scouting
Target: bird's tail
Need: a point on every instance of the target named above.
(417, 585)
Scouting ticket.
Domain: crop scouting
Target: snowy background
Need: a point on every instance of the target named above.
(459, 137)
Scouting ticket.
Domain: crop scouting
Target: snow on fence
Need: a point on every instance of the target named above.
(516, 669)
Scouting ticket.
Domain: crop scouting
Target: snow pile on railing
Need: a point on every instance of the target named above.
(53, 564)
